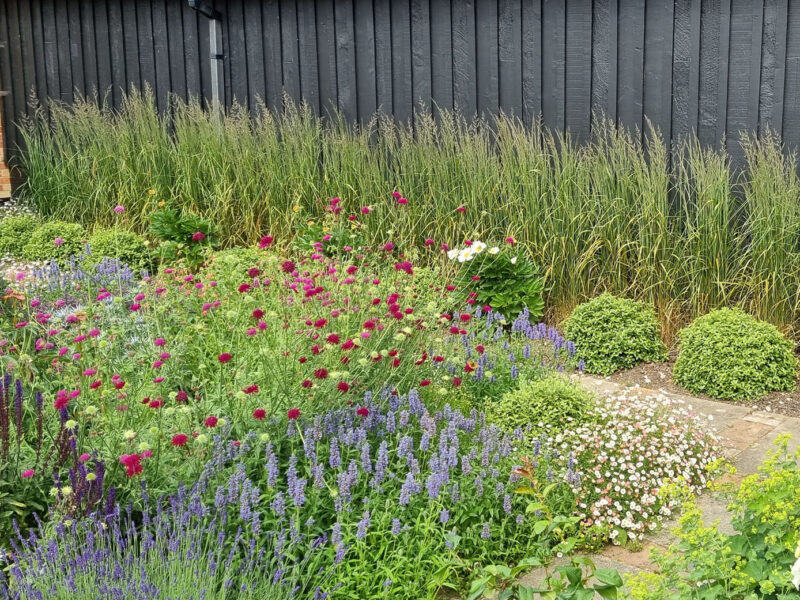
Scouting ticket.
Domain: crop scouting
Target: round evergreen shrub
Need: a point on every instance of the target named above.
(550, 403)
(732, 355)
(15, 233)
(55, 240)
(613, 333)
(129, 247)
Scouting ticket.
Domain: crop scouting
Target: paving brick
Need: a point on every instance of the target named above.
(743, 434)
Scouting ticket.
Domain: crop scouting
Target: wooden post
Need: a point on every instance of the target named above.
(5, 174)
(215, 44)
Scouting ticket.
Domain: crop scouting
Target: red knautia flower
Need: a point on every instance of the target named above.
(293, 414)
(388, 246)
(179, 440)
(465, 318)
(333, 338)
(307, 383)
(343, 387)
(159, 342)
(425, 382)
(480, 348)
(28, 473)
(476, 278)
(511, 240)
(365, 210)
(133, 464)
(253, 272)
(461, 208)
(198, 236)
(258, 313)
(225, 358)
(404, 266)
(429, 242)
(244, 288)
(395, 194)
(135, 306)
(61, 401)
(259, 414)
(456, 381)
(119, 209)
(119, 384)
(251, 389)
(351, 269)
(320, 323)
(266, 242)
(84, 457)
(402, 201)
(348, 345)
(287, 266)
(211, 421)
(157, 403)
(321, 373)
(181, 396)
(362, 411)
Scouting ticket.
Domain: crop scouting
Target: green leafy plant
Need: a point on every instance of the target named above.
(15, 232)
(185, 237)
(612, 333)
(755, 562)
(503, 278)
(55, 240)
(550, 402)
(732, 355)
(130, 248)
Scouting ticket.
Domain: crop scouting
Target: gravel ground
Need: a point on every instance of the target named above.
(659, 376)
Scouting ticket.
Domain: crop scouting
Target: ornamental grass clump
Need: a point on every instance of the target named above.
(613, 333)
(732, 355)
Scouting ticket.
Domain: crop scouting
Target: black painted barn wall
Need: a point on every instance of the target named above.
(715, 67)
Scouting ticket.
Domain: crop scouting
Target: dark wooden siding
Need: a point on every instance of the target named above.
(714, 67)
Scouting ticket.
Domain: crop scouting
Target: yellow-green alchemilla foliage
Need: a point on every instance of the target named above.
(757, 562)
(730, 354)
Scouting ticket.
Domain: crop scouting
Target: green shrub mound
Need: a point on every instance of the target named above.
(551, 401)
(613, 333)
(15, 233)
(130, 248)
(42, 245)
(732, 355)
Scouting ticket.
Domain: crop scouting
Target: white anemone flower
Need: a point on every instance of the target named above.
(494, 250)
(452, 254)
(465, 254)
(514, 260)
(478, 247)
(796, 570)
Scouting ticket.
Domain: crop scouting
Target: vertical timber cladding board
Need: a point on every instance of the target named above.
(659, 21)
(553, 63)
(309, 58)
(509, 39)
(773, 66)
(367, 93)
(531, 60)
(578, 88)
(421, 61)
(465, 91)
(604, 59)
(347, 97)
(712, 86)
(441, 53)
(402, 85)
(326, 48)
(630, 63)
(487, 63)
(791, 89)
(744, 74)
